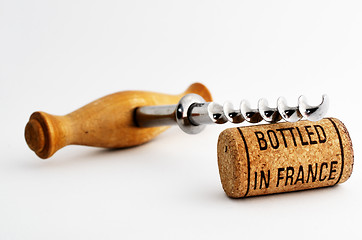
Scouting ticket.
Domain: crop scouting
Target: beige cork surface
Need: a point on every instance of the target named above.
(284, 157)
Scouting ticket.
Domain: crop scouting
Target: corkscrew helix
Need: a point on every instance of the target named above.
(193, 112)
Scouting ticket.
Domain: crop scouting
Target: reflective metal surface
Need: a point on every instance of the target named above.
(232, 113)
(184, 111)
(207, 113)
(192, 113)
(269, 114)
(248, 113)
(289, 114)
(155, 116)
(313, 113)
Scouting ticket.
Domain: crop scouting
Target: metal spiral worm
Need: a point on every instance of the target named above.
(272, 115)
(192, 113)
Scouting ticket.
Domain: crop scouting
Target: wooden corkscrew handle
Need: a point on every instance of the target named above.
(107, 122)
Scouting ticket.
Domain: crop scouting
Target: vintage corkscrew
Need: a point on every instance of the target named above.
(131, 118)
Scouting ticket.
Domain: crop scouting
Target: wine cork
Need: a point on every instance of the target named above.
(284, 157)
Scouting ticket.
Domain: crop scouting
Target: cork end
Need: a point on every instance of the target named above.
(230, 163)
(347, 149)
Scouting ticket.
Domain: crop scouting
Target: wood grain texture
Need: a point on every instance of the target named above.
(107, 122)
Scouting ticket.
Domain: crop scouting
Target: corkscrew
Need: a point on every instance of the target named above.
(192, 113)
(131, 118)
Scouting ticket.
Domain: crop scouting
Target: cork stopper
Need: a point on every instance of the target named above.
(284, 157)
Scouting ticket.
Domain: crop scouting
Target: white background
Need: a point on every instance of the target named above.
(56, 56)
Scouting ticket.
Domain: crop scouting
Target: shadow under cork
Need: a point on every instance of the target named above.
(306, 193)
(82, 155)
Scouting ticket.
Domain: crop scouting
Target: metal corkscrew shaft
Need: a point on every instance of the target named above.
(192, 113)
